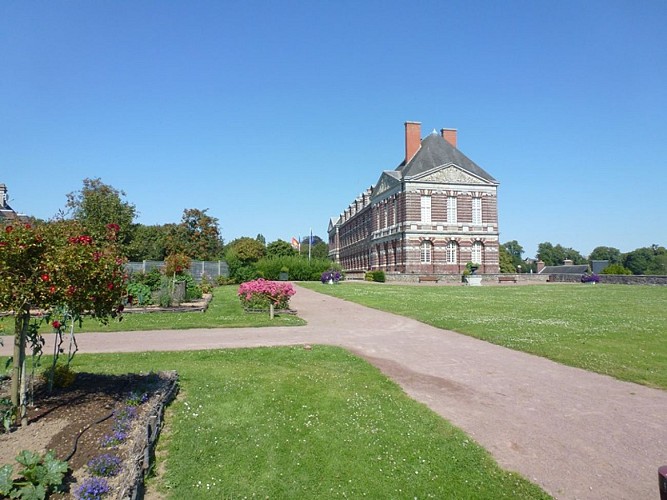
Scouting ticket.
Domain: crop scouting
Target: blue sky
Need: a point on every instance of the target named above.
(276, 115)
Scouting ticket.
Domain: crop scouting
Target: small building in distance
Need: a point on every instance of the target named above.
(7, 213)
(432, 214)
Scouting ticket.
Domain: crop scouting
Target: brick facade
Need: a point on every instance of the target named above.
(432, 215)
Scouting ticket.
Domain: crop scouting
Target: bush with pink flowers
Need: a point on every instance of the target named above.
(260, 293)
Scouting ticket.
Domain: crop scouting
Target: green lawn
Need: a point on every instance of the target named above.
(224, 311)
(617, 330)
(296, 423)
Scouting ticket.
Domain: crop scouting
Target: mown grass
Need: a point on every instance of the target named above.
(296, 423)
(616, 330)
(224, 311)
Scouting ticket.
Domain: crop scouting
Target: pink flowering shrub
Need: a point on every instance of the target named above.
(258, 294)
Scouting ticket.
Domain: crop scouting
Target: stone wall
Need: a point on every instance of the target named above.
(612, 279)
(456, 279)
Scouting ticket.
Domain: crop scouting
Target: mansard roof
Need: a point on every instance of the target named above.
(435, 152)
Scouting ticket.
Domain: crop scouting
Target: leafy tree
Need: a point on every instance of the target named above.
(241, 256)
(280, 248)
(247, 249)
(55, 266)
(555, 255)
(506, 264)
(515, 252)
(97, 205)
(647, 260)
(320, 250)
(197, 236)
(613, 255)
(261, 239)
(148, 242)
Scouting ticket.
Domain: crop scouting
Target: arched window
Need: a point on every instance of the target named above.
(452, 252)
(426, 252)
(477, 252)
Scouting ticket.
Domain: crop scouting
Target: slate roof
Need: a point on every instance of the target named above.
(434, 152)
(574, 269)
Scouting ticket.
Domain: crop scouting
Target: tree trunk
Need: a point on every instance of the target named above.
(21, 322)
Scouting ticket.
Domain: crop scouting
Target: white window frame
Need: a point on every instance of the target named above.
(426, 208)
(477, 211)
(426, 252)
(477, 252)
(452, 252)
(452, 210)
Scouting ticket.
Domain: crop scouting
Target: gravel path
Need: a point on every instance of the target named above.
(577, 434)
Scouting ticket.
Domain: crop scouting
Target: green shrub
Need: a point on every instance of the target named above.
(60, 376)
(140, 294)
(164, 297)
(151, 279)
(377, 276)
(206, 284)
(300, 268)
(616, 269)
(192, 289)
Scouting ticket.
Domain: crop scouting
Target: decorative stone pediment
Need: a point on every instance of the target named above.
(450, 174)
(385, 183)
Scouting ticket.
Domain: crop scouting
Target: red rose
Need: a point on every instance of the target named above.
(45, 277)
(56, 324)
(110, 286)
(9, 229)
(52, 289)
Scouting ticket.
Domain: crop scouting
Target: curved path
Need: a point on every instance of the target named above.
(577, 434)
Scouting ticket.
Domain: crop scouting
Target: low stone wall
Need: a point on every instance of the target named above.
(612, 279)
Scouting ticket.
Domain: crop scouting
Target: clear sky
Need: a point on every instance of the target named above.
(275, 115)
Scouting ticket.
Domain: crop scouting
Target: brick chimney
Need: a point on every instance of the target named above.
(449, 134)
(540, 266)
(412, 139)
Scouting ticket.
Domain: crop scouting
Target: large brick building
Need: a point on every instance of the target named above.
(433, 214)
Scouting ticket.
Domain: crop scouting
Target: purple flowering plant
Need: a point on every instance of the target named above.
(105, 465)
(590, 278)
(330, 277)
(93, 488)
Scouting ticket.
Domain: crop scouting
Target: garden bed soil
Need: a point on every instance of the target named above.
(71, 422)
(198, 305)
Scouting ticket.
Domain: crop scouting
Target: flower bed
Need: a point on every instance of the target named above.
(258, 295)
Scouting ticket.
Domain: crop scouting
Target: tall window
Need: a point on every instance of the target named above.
(426, 252)
(452, 252)
(426, 208)
(451, 209)
(477, 211)
(476, 256)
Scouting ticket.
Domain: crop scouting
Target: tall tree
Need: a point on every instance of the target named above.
(506, 261)
(97, 205)
(515, 252)
(613, 255)
(647, 260)
(197, 236)
(280, 248)
(148, 242)
(555, 255)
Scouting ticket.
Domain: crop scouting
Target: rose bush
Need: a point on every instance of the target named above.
(62, 271)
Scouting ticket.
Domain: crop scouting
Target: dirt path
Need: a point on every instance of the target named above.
(577, 434)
